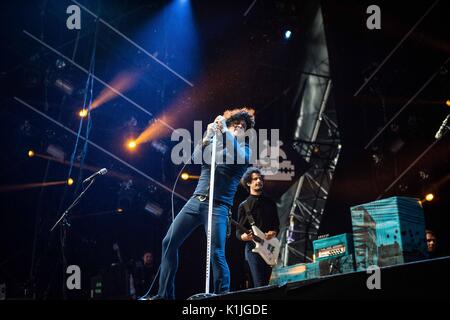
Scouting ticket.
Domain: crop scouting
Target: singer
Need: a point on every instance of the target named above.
(230, 126)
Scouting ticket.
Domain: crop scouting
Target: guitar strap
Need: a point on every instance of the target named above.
(248, 213)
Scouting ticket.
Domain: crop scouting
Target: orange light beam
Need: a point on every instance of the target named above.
(87, 167)
(19, 187)
(94, 76)
(96, 146)
(121, 83)
(181, 109)
(157, 128)
(192, 177)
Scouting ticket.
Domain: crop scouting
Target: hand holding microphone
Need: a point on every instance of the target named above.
(219, 125)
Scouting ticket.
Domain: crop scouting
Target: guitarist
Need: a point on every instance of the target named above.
(263, 212)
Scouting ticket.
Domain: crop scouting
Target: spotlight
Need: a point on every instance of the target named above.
(65, 86)
(83, 113)
(287, 34)
(69, 181)
(185, 176)
(31, 153)
(429, 197)
(154, 208)
(132, 144)
(447, 103)
(119, 210)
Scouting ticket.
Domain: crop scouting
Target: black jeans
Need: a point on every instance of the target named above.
(259, 269)
(193, 214)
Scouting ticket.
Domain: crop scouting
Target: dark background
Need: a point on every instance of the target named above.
(233, 60)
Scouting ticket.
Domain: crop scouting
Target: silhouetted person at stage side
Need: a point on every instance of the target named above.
(144, 274)
(431, 244)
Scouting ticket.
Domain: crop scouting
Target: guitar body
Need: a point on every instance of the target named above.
(267, 249)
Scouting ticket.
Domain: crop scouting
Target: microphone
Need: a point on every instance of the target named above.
(100, 172)
(442, 128)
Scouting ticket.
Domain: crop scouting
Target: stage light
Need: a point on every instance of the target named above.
(69, 181)
(429, 197)
(83, 113)
(287, 34)
(185, 176)
(119, 210)
(65, 86)
(131, 144)
(153, 208)
(31, 153)
(56, 152)
(447, 103)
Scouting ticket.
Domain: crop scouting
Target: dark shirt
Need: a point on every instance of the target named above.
(226, 178)
(143, 277)
(264, 212)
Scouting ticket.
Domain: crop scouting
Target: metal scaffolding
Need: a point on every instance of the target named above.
(322, 153)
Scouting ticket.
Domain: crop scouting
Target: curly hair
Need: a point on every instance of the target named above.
(247, 177)
(239, 114)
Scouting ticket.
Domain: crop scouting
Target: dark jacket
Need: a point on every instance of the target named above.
(226, 179)
(264, 212)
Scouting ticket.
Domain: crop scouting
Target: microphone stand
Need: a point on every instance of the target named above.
(210, 209)
(74, 203)
(209, 227)
(65, 224)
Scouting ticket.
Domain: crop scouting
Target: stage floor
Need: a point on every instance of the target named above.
(422, 279)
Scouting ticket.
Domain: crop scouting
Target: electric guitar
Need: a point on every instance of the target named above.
(267, 249)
